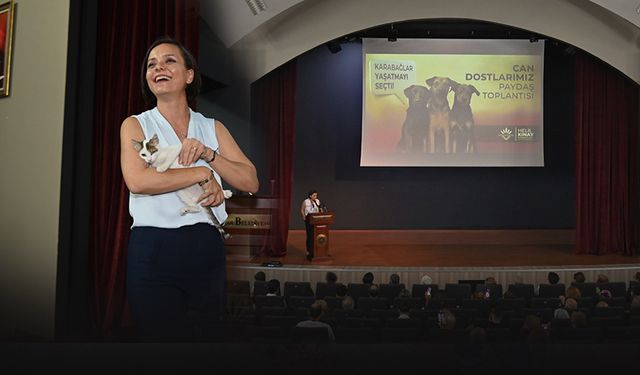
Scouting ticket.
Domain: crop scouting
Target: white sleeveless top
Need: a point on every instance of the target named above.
(163, 210)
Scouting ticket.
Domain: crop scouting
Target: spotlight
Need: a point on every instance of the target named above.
(334, 46)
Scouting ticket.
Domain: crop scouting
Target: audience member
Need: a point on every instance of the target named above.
(426, 280)
(578, 277)
(316, 311)
(578, 319)
(403, 311)
(273, 287)
(331, 278)
(570, 305)
(394, 279)
(446, 319)
(374, 291)
(534, 330)
(341, 290)
(605, 295)
(347, 303)
(260, 276)
(479, 295)
(602, 304)
(553, 278)
(560, 313)
(490, 280)
(573, 292)
(602, 279)
(404, 293)
(367, 278)
(508, 294)
(635, 303)
(637, 277)
(495, 315)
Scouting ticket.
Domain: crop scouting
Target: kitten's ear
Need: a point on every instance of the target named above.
(154, 141)
(137, 145)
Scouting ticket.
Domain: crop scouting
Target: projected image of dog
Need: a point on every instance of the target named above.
(439, 112)
(462, 125)
(416, 124)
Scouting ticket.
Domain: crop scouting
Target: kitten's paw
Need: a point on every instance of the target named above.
(189, 209)
(227, 194)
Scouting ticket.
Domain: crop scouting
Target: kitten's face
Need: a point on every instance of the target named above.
(147, 148)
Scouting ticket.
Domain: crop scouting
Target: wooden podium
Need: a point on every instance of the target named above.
(321, 222)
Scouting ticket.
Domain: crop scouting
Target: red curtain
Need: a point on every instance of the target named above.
(274, 105)
(125, 29)
(606, 117)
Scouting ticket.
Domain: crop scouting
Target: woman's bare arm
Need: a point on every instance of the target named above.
(143, 180)
(232, 164)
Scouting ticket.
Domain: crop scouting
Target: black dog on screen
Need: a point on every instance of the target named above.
(416, 124)
(462, 125)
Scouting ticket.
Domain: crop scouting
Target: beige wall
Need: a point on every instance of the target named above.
(31, 122)
(313, 22)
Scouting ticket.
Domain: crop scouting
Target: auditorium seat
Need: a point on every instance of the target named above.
(296, 302)
(539, 303)
(587, 289)
(259, 288)
(414, 303)
(495, 290)
(310, 335)
(551, 290)
(355, 335)
(382, 314)
(265, 334)
(623, 335)
(368, 303)
(238, 287)
(457, 291)
(357, 290)
(526, 291)
(513, 304)
(324, 289)
(264, 301)
(617, 289)
(297, 288)
(390, 291)
(608, 311)
(418, 290)
(333, 303)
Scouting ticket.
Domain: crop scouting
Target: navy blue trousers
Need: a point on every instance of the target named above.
(175, 277)
(309, 228)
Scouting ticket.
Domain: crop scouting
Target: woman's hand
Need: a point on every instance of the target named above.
(191, 151)
(213, 194)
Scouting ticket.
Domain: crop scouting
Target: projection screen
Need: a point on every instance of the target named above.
(452, 102)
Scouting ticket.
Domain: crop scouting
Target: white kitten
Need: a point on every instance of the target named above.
(163, 158)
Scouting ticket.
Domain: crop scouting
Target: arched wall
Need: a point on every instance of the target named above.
(313, 22)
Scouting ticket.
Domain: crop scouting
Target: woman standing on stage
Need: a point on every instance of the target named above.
(176, 263)
(311, 205)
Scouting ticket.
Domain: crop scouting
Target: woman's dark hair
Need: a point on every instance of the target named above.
(193, 88)
(311, 192)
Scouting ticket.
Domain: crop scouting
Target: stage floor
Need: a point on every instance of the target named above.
(447, 248)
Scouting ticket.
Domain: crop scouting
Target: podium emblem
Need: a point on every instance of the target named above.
(321, 239)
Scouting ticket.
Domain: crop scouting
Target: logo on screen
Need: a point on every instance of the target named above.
(524, 134)
(506, 134)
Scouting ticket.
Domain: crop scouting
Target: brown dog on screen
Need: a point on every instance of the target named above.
(439, 111)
